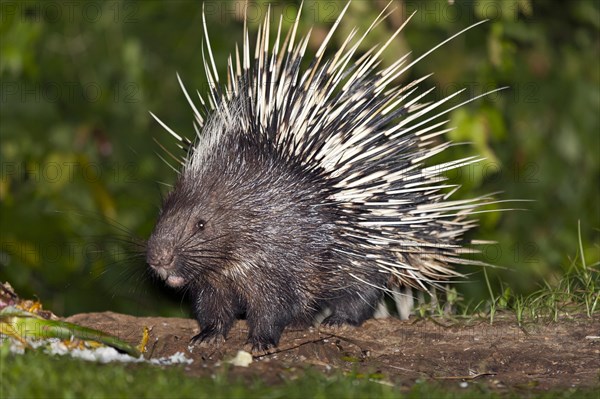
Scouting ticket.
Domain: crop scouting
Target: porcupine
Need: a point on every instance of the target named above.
(305, 190)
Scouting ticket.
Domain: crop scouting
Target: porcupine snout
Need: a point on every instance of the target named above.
(161, 259)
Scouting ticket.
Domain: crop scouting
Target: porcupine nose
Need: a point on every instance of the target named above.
(160, 259)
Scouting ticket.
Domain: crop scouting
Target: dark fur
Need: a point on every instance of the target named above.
(267, 248)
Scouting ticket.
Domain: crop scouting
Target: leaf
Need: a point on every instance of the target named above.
(20, 324)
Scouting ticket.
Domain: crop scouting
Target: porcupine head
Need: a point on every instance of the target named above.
(304, 192)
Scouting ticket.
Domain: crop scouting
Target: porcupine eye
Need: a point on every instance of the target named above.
(200, 223)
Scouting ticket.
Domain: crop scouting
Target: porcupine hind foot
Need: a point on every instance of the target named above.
(353, 309)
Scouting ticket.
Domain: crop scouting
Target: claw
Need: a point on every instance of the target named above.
(261, 345)
(333, 321)
(207, 334)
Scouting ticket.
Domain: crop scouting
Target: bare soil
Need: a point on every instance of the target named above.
(502, 356)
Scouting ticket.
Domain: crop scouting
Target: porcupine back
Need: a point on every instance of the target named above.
(310, 188)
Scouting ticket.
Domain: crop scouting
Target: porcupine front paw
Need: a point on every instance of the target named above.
(208, 334)
(215, 312)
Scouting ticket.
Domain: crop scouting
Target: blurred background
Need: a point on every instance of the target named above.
(81, 176)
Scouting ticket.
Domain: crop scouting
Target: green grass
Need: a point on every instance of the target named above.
(36, 375)
(575, 291)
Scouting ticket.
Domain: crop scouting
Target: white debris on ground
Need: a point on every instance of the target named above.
(242, 359)
(176, 358)
(101, 354)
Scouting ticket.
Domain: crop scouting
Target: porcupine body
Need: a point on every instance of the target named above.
(305, 191)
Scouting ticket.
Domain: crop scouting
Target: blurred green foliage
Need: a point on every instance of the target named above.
(80, 172)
